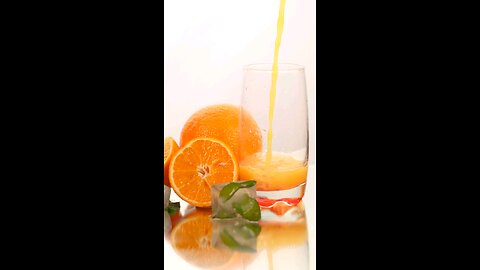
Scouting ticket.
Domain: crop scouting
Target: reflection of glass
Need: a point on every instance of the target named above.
(283, 244)
(280, 170)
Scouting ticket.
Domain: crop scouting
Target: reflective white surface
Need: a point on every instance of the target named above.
(287, 244)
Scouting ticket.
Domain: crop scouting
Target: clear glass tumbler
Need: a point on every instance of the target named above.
(280, 167)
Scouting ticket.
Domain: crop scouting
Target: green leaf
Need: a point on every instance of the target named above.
(228, 191)
(248, 208)
(173, 208)
(247, 184)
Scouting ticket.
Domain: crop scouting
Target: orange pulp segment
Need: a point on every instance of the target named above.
(199, 165)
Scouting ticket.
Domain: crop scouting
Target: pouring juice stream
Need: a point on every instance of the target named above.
(274, 171)
(273, 88)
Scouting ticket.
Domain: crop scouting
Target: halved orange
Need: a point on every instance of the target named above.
(192, 240)
(170, 148)
(197, 166)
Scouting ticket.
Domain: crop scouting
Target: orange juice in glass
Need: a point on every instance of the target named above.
(280, 109)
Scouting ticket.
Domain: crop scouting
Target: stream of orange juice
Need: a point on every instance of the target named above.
(274, 171)
(273, 87)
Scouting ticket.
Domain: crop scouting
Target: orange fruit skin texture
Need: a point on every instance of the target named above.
(170, 148)
(197, 166)
(222, 123)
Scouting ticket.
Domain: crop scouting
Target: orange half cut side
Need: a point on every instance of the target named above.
(197, 166)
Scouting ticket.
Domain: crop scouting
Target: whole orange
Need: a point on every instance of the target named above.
(221, 122)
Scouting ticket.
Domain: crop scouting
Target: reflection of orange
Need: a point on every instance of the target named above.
(199, 165)
(275, 235)
(174, 219)
(192, 240)
(222, 122)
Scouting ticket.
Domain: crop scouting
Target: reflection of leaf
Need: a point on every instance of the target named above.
(230, 242)
(173, 207)
(224, 214)
(247, 231)
(254, 227)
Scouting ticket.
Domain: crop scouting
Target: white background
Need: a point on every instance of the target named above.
(208, 42)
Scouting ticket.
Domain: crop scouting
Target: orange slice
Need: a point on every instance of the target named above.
(199, 165)
(170, 148)
(192, 240)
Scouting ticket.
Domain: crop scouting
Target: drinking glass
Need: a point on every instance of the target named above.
(281, 174)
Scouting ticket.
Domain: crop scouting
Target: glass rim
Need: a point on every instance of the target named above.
(267, 67)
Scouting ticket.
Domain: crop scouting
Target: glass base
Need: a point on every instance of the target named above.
(291, 197)
(281, 212)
